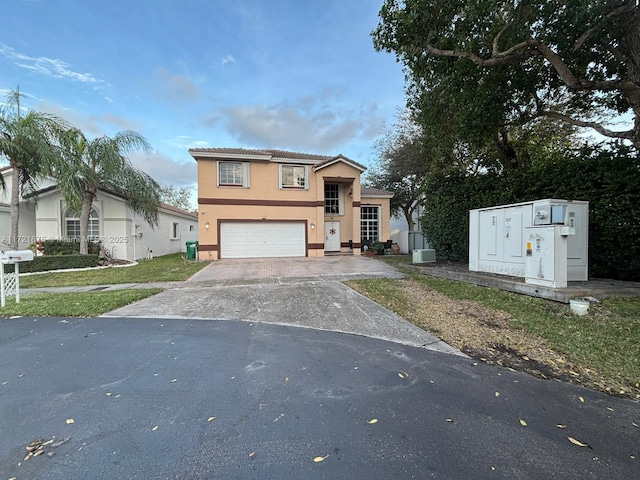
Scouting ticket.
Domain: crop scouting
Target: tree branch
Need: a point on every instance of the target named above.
(627, 135)
(496, 39)
(628, 7)
(492, 61)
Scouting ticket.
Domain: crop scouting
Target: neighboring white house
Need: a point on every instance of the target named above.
(122, 232)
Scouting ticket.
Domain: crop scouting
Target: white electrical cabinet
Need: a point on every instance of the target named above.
(498, 236)
(546, 256)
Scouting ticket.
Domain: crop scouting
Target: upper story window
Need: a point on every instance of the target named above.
(293, 176)
(333, 201)
(233, 174)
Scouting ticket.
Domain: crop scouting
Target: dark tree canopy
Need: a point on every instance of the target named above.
(475, 69)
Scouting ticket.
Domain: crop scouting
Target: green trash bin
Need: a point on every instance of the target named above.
(192, 248)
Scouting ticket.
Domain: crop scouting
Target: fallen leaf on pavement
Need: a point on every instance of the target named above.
(211, 419)
(70, 421)
(577, 442)
(372, 421)
(523, 423)
(320, 459)
(154, 428)
(581, 399)
(561, 426)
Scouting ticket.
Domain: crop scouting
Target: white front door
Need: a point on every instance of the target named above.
(331, 236)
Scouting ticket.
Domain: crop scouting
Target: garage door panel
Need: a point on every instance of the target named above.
(262, 239)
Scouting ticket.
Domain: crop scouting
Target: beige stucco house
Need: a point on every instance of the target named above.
(274, 203)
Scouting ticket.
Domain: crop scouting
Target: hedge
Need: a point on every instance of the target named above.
(610, 181)
(57, 262)
(59, 247)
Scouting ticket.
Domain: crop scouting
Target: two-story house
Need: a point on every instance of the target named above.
(274, 203)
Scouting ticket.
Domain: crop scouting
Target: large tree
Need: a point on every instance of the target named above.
(401, 166)
(30, 144)
(477, 68)
(176, 196)
(101, 163)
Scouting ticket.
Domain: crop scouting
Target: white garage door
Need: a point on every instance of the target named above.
(262, 239)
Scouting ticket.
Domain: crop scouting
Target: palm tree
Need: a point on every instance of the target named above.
(30, 143)
(101, 163)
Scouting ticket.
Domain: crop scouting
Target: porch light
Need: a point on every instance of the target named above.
(207, 225)
(313, 226)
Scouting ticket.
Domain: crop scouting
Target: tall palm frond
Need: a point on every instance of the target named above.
(101, 163)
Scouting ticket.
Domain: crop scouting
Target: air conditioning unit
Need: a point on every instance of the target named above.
(424, 256)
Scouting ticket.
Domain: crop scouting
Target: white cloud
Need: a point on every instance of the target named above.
(165, 170)
(227, 59)
(185, 142)
(175, 89)
(50, 67)
(119, 122)
(301, 127)
(87, 124)
(91, 125)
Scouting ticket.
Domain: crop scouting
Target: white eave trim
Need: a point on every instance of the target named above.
(377, 195)
(295, 161)
(230, 156)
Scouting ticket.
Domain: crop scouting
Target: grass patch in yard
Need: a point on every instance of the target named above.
(167, 268)
(600, 350)
(86, 304)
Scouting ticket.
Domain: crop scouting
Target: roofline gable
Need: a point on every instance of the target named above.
(339, 158)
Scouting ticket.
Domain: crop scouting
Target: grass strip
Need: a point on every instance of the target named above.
(85, 304)
(167, 268)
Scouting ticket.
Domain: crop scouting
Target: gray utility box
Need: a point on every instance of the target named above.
(499, 237)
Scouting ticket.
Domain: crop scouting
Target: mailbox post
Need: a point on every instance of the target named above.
(10, 282)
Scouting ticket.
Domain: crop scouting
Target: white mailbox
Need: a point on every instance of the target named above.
(15, 256)
(10, 282)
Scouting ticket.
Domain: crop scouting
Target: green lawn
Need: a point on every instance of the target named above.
(89, 304)
(167, 268)
(606, 340)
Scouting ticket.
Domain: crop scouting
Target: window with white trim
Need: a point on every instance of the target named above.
(293, 176)
(333, 202)
(72, 225)
(233, 174)
(369, 223)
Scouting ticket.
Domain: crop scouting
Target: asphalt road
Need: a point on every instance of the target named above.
(199, 399)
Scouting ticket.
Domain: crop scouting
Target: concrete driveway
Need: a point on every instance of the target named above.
(305, 292)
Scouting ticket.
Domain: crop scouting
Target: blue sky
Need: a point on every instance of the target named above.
(299, 75)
